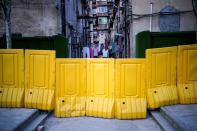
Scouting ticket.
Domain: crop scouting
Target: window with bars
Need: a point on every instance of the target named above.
(102, 20)
(1, 12)
(102, 9)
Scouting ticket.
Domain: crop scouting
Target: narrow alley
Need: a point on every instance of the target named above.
(98, 65)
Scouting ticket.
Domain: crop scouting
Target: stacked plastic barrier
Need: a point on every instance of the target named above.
(107, 88)
(39, 79)
(130, 89)
(11, 78)
(187, 74)
(70, 87)
(161, 68)
(100, 88)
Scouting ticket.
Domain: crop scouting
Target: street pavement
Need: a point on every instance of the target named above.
(12, 118)
(99, 124)
(184, 116)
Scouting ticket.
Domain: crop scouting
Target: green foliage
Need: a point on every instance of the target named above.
(5, 2)
(194, 3)
(147, 39)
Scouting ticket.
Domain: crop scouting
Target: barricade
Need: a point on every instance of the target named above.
(187, 74)
(100, 88)
(11, 78)
(130, 89)
(161, 76)
(70, 87)
(39, 79)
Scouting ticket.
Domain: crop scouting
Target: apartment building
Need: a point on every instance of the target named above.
(134, 16)
(47, 18)
(101, 11)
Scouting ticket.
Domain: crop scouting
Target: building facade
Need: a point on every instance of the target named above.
(47, 18)
(75, 27)
(34, 18)
(101, 12)
(134, 16)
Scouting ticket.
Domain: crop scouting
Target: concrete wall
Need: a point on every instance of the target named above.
(1, 22)
(72, 7)
(34, 18)
(187, 20)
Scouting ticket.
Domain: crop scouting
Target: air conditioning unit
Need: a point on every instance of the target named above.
(1, 12)
(57, 4)
(121, 26)
(121, 4)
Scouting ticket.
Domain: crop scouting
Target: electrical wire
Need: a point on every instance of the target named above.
(138, 16)
(194, 4)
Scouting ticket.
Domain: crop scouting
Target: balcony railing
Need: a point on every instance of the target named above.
(101, 2)
(102, 14)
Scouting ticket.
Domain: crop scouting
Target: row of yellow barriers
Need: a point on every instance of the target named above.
(29, 78)
(87, 87)
(108, 88)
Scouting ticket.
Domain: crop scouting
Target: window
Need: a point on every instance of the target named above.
(1, 12)
(74, 4)
(95, 34)
(93, 11)
(102, 20)
(100, 0)
(102, 9)
(94, 22)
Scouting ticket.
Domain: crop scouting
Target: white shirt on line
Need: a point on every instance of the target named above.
(105, 52)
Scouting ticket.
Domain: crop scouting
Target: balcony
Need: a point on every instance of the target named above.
(110, 1)
(102, 27)
(101, 2)
(102, 14)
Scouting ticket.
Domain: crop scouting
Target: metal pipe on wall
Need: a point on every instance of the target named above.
(125, 18)
(151, 17)
(91, 24)
(63, 17)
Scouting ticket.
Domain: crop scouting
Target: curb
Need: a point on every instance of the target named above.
(175, 122)
(38, 121)
(28, 120)
(161, 121)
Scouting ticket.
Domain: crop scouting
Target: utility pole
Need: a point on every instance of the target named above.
(86, 37)
(118, 18)
(151, 17)
(6, 5)
(125, 18)
(63, 15)
(91, 24)
(83, 10)
(194, 4)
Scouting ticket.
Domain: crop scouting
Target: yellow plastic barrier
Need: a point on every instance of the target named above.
(100, 88)
(161, 77)
(187, 74)
(71, 87)
(130, 89)
(11, 78)
(39, 79)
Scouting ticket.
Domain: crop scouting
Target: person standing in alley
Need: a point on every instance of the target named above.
(105, 52)
(110, 51)
(102, 47)
(114, 50)
(117, 49)
(91, 50)
(100, 54)
(95, 50)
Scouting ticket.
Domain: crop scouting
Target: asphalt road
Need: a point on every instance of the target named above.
(99, 124)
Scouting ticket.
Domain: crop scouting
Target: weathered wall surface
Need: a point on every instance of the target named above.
(187, 20)
(34, 18)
